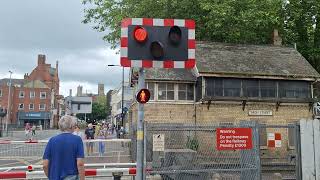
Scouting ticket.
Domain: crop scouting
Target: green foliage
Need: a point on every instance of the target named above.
(192, 143)
(232, 21)
(98, 112)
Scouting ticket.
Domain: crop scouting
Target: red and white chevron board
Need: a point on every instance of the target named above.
(189, 24)
(107, 172)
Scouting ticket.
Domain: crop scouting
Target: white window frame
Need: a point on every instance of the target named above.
(45, 95)
(154, 90)
(30, 106)
(32, 93)
(21, 108)
(186, 92)
(44, 107)
(174, 91)
(20, 94)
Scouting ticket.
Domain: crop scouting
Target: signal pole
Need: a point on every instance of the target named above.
(140, 129)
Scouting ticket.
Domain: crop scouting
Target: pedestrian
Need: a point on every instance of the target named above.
(101, 136)
(63, 155)
(78, 132)
(34, 127)
(89, 132)
(27, 130)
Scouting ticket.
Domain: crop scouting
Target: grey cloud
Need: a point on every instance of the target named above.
(45, 24)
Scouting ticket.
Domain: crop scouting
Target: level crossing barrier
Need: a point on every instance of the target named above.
(34, 149)
(106, 172)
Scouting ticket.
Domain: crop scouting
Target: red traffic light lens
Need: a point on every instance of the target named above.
(175, 35)
(156, 49)
(140, 34)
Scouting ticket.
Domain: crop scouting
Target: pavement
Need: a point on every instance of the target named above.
(31, 154)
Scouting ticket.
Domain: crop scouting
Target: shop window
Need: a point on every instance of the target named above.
(32, 94)
(43, 95)
(21, 106)
(165, 91)
(150, 87)
(21, 94)
(42, 107)
(31, 106)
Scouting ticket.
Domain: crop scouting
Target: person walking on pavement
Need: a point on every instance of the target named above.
(101, 144)
(63, 155)
(89, 132)
(34, 127)
(27, 130)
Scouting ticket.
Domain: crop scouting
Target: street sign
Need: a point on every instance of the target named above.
(234, 138)
(158, 142)
(143, 96)
(157, 43)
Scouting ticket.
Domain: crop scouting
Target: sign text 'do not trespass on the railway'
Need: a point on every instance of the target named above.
(234, 138)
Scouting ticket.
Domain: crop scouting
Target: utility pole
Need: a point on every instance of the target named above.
(140, 128)
(122, 97)
(9, 103)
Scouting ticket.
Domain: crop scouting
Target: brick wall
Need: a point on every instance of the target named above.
(221, 112)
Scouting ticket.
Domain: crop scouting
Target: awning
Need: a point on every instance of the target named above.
(34, 115)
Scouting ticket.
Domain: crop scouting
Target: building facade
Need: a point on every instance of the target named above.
(116, 103)
(230, 83)
(33, 99)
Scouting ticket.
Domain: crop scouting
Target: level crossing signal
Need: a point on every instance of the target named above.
(162, 43)
(143, 96)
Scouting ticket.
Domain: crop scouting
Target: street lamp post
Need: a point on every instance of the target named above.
(9, 104)
(122, 93)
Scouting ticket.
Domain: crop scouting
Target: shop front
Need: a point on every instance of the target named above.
(36, 118)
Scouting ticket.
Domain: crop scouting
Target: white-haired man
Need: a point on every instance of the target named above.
(63, 156)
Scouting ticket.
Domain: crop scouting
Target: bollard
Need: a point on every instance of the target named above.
(117, 175)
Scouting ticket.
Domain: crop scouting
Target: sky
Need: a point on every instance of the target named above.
(54, 28)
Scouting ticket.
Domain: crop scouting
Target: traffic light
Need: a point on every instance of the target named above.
(143, 96)
(163, 43)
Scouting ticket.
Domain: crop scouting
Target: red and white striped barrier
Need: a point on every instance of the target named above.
(102, 165)
(46, 141)
(88, 173)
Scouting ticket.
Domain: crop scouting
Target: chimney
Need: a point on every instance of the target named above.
(41, 59)
(57, 66)
(276, 39)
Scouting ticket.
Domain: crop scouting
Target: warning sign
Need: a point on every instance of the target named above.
(274, 140)
(234, 138)
(158, 142)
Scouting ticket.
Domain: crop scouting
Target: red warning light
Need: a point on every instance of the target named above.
(30, 168)
(140, 34)
(143, 96)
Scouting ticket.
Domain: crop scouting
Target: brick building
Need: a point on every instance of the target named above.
(230, 83)
(33, 99)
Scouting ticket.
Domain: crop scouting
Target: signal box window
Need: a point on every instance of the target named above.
(185, 92)
(31, 106)
(294, 89)
(150, 87)
(165, 91)
(21, 94)
(32, 94)
(21, 106)
(43, 95)
(42, 107)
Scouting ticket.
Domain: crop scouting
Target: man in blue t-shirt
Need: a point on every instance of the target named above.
(63, 156)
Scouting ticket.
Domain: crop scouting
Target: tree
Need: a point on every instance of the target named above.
(98, 112)
(245, 21)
